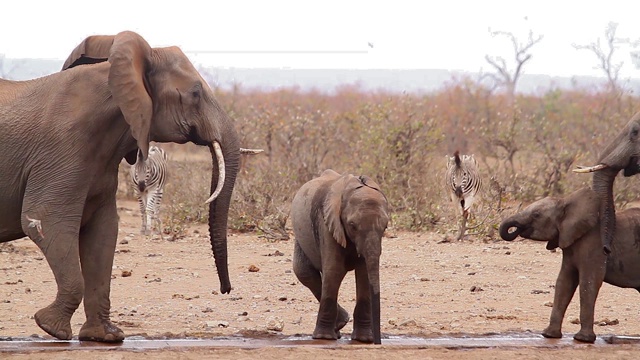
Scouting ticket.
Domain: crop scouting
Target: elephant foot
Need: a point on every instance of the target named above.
(327, 334)
(51, 320)
(362, 335)
(343, 318)
(585, 336)
(100, 330)
(552, 333)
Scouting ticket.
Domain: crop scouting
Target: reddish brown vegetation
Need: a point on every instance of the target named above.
(525, 150)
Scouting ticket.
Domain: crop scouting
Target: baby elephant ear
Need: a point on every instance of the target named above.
(580, 216)
(365, 180)
(333, 210)
(129, 57)
(92, 50)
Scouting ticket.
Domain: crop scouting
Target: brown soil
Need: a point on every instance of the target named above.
(429, 288)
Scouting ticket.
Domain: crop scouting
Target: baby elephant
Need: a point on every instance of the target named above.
(572, 223)
(338, 221)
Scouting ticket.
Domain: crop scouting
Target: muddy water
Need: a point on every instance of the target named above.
(23, 345)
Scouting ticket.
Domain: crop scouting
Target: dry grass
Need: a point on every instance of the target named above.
(526, 151)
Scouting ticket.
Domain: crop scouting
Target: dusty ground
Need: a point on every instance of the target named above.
(429, 288)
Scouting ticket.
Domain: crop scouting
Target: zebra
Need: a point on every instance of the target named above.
(463, 183)
(148, 178)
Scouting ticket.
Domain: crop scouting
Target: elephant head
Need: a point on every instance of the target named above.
(355, 209)
(558, 220)
(623, 153)
(163, 98)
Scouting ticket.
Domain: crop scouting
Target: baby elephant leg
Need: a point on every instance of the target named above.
(312, 279)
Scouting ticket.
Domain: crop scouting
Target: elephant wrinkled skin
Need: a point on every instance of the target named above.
(572, 223)
(63, 137)
(339, 221)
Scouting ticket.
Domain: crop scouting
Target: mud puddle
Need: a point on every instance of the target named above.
(24, 345)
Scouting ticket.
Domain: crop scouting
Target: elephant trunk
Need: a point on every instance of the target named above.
(373, 270)
(603, 186)
(506, 225)
(219, 207)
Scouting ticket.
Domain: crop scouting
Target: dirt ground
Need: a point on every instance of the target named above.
(430, 288)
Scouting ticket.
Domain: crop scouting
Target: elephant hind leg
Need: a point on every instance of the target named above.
(310, 277)
(56, 235)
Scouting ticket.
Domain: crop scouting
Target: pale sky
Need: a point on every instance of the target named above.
(398, 34)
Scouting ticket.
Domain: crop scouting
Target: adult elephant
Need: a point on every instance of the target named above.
(63, 137)
(338, 221)
(572, 223)
(623, 153)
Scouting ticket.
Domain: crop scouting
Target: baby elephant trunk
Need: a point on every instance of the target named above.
(373, 270)
(505, 228)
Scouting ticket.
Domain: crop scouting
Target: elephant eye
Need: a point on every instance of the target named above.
(195, 93)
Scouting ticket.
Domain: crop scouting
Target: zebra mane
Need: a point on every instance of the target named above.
(456, 155)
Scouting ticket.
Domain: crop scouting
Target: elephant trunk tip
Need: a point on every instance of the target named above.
(225, 288)
(505, 230)
(375, 300)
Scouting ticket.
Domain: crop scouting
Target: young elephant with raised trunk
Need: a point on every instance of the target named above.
(573, 224)
(338, 221)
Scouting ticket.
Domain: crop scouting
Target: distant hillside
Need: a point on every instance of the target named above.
(25, 69)
(418, 80)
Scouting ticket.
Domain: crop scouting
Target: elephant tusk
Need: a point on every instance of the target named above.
(221, 172)
(588, 169)
(244, 151)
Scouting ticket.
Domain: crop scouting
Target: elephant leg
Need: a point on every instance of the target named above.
(566, 285)
(590, 283)
(328, 312)
(362, 326)
(312, 279)
(98, 239)
(56, 234)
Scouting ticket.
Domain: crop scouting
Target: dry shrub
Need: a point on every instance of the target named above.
(526, 149)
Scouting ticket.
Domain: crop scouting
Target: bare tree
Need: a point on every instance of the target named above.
(605, 54)
(509, 77)
(635, 54)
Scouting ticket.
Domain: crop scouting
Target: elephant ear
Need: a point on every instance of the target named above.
(333, 208)
(367, 181)
(92, 50)
(581, 215)
(129, 58)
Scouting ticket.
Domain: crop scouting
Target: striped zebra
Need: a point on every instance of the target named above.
(148, 180)
(463, 183)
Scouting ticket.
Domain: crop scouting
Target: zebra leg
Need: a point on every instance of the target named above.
(144, 199)
(156, 199)
(463, 224)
